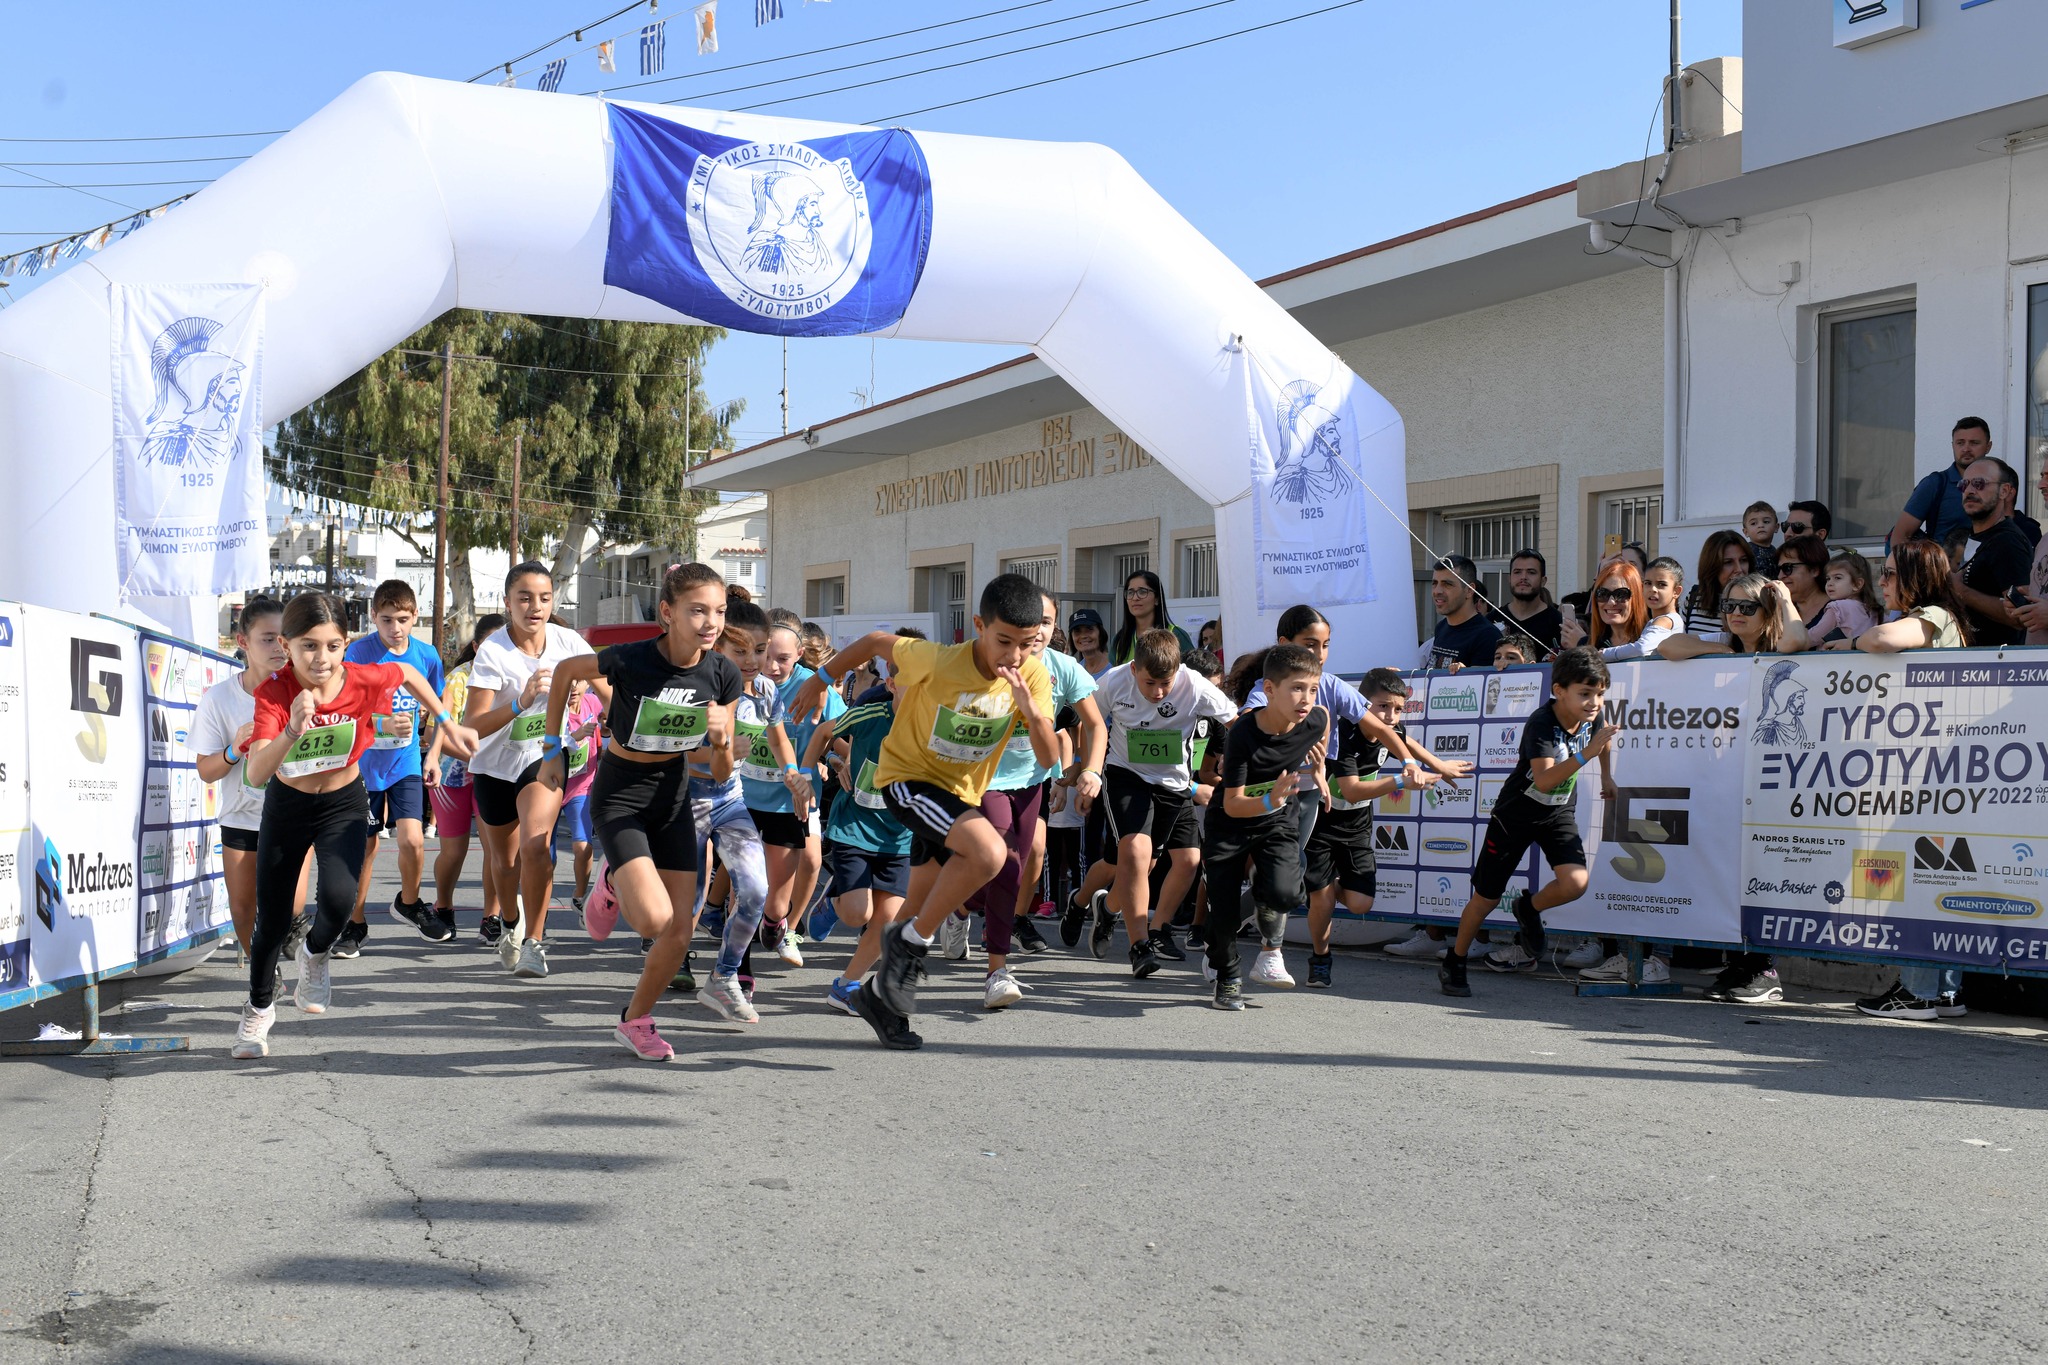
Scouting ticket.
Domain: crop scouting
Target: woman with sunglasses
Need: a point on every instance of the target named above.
(1144, 609)
(1758, 617)
(1623, 626)
(1803, 569)
(1915, 583)
(1726, 556)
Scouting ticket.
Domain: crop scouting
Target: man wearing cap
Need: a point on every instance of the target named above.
(1089, 639)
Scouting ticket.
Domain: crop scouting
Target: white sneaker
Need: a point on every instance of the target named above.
(1271, 969)
(1513, 958)
(1614, 968)
(533, 959)
(1001, 991)
(723, 997)
(1586, 955)
(953, 937)
(315, 988)
(508, 946)
(1418, 944)
(1656, 972)
(1208, 972)
(252, 1036)
(790, 950)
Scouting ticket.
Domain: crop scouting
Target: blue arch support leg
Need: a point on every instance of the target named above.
(90, 1042)
(1635, 984)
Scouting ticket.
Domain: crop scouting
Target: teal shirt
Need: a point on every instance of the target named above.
(1020, 767)
(773, 795)
(859, 819)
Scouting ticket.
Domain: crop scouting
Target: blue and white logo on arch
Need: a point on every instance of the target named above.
(826, 237)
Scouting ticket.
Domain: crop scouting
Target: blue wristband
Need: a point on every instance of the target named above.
(550, 746)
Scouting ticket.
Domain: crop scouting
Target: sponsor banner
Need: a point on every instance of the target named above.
(85, 748)
(179, 868)
(1513, 693)
(1897, 806)
(1454, 696)
(17, 870)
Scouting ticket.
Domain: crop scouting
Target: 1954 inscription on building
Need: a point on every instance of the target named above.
(1059, 459)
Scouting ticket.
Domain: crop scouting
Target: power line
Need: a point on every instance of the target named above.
(167, 137)
(160, 161)
(572, 33)
(103, 185)
(552, 369)
(550, 492)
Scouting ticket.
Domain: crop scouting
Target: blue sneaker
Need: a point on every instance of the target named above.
(713, 922)
(823, 921)
(840, 996)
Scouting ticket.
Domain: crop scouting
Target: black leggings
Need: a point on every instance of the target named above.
(1271, 853)
(336, 826)
(1062, 862)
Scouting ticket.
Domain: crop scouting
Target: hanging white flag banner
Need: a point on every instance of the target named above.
(188, 445)
(1309, 495)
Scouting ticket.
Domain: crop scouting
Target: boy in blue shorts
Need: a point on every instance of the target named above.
(392, 771)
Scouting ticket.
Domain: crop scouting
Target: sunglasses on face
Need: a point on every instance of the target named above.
(1742, 606)
(1786, 570)
(1612, 594)
(1797, 528)
(1972, 485)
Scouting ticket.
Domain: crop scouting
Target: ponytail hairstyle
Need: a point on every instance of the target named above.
(525, 567)
(256, 607)
(1247, 672)
(310, 609)
(485, 627)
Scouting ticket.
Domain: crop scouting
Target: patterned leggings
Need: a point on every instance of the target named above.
(722, 819)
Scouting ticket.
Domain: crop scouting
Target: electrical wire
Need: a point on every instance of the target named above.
(103, 185)
(497, 66)
(159, 161)
(552, 369)
(164, 137)
(286, 445)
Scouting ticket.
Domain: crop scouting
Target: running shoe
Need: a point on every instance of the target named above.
(953, 937)
(1729, 978)
(533, 959)
(1656, 972)
(1516, 958)
(252, 1035)
(893, 1029)
(1270, 969)
(1144, 959)
(1163, 944)
(1319, 970)
(1417, 944)
(1532, 936)
(350, 944)
(746, 980)
(296, 935)
(645, 944)
(416, 914)
(791, 949)
(1105, 924)
(1760, 989)
(1899, 1003)
(722, 996)
(1949, 1005)
(1229, 995)
(489, 930)
(713, 921)
(444, 924)
(1028, 939)
(601, 908)
(839, 995)
(772, 931)
(685, 979)
(1072, 916)
(1586, 955)
(640, 1038)
(894, 984)
(315, 988)
(508, 947)
(1450, 975)
(824, 920)
(1001, 990)
(1614, 967)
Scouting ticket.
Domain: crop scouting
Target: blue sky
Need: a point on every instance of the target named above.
(1284, 146)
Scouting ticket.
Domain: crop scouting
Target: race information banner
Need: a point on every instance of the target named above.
(17, 863)
(84, 683)
(1898, 807)
(178, 874)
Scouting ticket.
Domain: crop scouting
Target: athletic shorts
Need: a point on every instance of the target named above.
(1554, 829)
(782, 828)
(405, 799)
(929, 812)
(1135, 806)
(575, 819)
(856, 869)
(454, 810)
(1340, 854)
(497, 800)
(642, 810)
(241, 840)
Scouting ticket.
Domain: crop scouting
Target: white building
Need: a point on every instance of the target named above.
(1860, 259)
(621, 583)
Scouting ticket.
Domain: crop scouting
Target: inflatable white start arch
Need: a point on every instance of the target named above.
(406, 197)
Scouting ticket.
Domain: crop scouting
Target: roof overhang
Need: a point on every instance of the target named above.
(1527, 246)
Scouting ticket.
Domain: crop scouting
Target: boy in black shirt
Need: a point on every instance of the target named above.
(1250, 822)
(1535, 806)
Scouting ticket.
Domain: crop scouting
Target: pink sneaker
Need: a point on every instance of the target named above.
(601, 908)
(639, 1035)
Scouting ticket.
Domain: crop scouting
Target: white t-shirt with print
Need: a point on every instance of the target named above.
(223, 710)
(502, 667)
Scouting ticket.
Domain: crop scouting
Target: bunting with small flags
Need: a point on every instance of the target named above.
(652, 43)
(706, 16)
(607, 62)
(551, 74)
(766, 11)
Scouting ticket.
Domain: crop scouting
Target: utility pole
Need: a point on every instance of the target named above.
(689, 405)
(785, 386)
(1674, 100)
(441, 498)
(329, 519)
(516, 462)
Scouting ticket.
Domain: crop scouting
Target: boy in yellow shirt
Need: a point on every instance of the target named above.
(955, 705)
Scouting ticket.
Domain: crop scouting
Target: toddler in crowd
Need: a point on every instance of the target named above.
(1760, 529)
(1852, 601)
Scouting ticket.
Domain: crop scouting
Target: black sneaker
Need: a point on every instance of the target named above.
(645, 944)
(1229, 994)
(772, 931)
(894, 983)
(443, 920)
(1163, 944)
(1028, 938)
(350, 944)
(489, 930)
(296, 935)
(892, 1028)
(1105, 924)
(1144, 959)
(1532, 936)
(685, 979)
(1071, 918)
(1899, 1003)
(1760, 989)
(1728, 979)
(1949, 1005)
(1450, 974)
(1319, 970)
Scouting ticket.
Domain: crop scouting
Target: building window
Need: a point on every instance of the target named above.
(2037, 392)
(825, 596)
(1044, 572)
(1867, 419)
(1198, 568)
(743, 571)
(1630, 518)
(1489, 537)
(941, 589)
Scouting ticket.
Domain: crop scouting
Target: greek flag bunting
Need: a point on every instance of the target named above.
(551, 74)
(766, 11)
(606, 61)
(652, 56)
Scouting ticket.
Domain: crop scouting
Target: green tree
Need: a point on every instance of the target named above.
(606, 411)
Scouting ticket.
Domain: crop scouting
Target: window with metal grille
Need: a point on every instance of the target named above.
(743, 571)
(825, 596)
(1198, 568)
(1044, 572)
(1128, 564)
(1630, 518)
(1487, 536)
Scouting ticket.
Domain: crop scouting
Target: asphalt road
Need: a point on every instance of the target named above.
(452, 1165)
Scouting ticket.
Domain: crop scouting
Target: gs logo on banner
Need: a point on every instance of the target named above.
(1644, 829)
